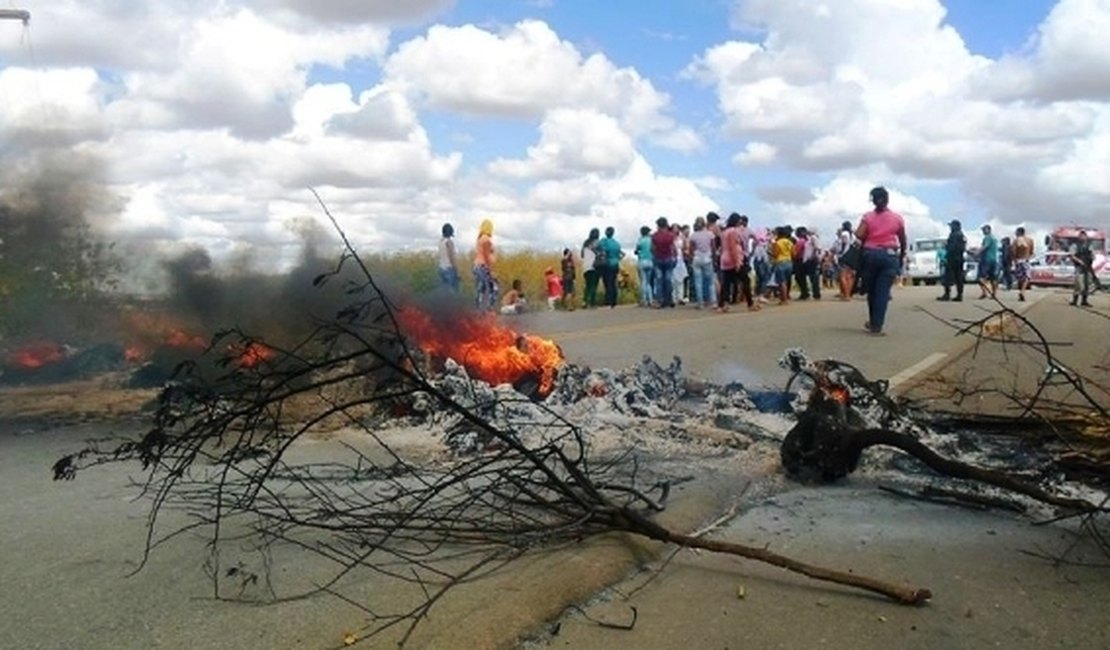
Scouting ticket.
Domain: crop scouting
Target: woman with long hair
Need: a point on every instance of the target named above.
(589, 270)
(845, 265)
(485, 282)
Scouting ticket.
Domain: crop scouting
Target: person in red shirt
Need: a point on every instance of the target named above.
(554, 287)
(664, 259)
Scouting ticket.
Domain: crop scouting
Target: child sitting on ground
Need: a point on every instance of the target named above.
(554, 288)
(514, 302)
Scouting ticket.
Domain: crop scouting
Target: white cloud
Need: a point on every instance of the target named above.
(57, 107)
(1068, 60)
(526, 71)
(846, 199)
(210, 122)
(837, 87)
(572, 142)
(756, 153)
(241, 72)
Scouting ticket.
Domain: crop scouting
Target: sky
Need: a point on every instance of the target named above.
(207, 122)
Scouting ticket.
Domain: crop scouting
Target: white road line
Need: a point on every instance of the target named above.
(908, 373)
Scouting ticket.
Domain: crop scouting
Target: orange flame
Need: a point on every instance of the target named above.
(36, 355)
(133, 354)
(488, 350)
(255, 353)
(837, 393)
(179, 339)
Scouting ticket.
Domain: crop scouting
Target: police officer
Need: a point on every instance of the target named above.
(954, 249)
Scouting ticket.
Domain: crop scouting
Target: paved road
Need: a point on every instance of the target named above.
(743, 346)
(68, 547)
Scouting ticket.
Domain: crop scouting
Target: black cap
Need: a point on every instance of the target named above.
(955, 223)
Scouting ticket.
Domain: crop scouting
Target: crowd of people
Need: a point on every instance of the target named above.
(715, 264)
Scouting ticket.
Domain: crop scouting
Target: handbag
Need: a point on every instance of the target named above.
(852, 257)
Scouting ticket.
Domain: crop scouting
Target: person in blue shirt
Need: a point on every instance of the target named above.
(988, 264)
(613, 254)
(645, 266)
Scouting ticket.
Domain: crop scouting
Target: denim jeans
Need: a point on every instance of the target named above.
(449, 278)
(485, 289)
(762, 276)
(705, 284)
(664, 282)
(877, 274)
(646, 293)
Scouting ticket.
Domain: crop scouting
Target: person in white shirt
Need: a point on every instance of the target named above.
(448, 265)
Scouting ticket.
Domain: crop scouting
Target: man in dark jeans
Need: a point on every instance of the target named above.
(806, 264)
(954, 250)
(664, 258)
(1083, 258)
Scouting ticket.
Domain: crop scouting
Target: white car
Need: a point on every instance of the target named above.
(1053, 269)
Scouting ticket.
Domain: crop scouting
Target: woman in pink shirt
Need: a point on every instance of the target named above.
(883, 235)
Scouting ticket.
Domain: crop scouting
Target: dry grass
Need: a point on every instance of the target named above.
(418, 268)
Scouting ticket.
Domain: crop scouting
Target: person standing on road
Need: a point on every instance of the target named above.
(704, 284)
(681, 273)
(807, 264)
(883, 235)
(485, 281)
(611, 248)
(569, 274)
(782, 264)
(1083, 258)
(589, 268)
(1021, 252)
(448, 264)
(846, 271)
(645, 266)
(731, 259)
(954, 250)
(664, 259)
(988, 264)
(1006, 263)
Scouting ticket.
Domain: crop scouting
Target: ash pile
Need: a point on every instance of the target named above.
(659, 411)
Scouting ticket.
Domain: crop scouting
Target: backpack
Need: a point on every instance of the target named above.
(601, 258)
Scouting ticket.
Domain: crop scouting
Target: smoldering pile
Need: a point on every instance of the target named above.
(659, 410)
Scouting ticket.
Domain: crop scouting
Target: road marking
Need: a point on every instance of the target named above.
(916, 368)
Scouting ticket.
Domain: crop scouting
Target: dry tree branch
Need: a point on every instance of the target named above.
(222, 458)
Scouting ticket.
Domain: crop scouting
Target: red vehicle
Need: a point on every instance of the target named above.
(1055, 267)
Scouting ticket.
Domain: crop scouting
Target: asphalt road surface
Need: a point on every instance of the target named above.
(923, 336)
(69, 549)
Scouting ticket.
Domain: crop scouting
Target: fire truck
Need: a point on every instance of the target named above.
(1054, 265)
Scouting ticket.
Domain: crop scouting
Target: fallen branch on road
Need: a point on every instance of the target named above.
(220, 451)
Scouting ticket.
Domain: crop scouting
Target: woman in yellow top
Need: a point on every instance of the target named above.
(485, 282)
(782, 262)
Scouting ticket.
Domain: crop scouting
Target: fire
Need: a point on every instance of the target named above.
(838, 394)
(488, 350)
(179, 339)
(36, 355)
(254, 353)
